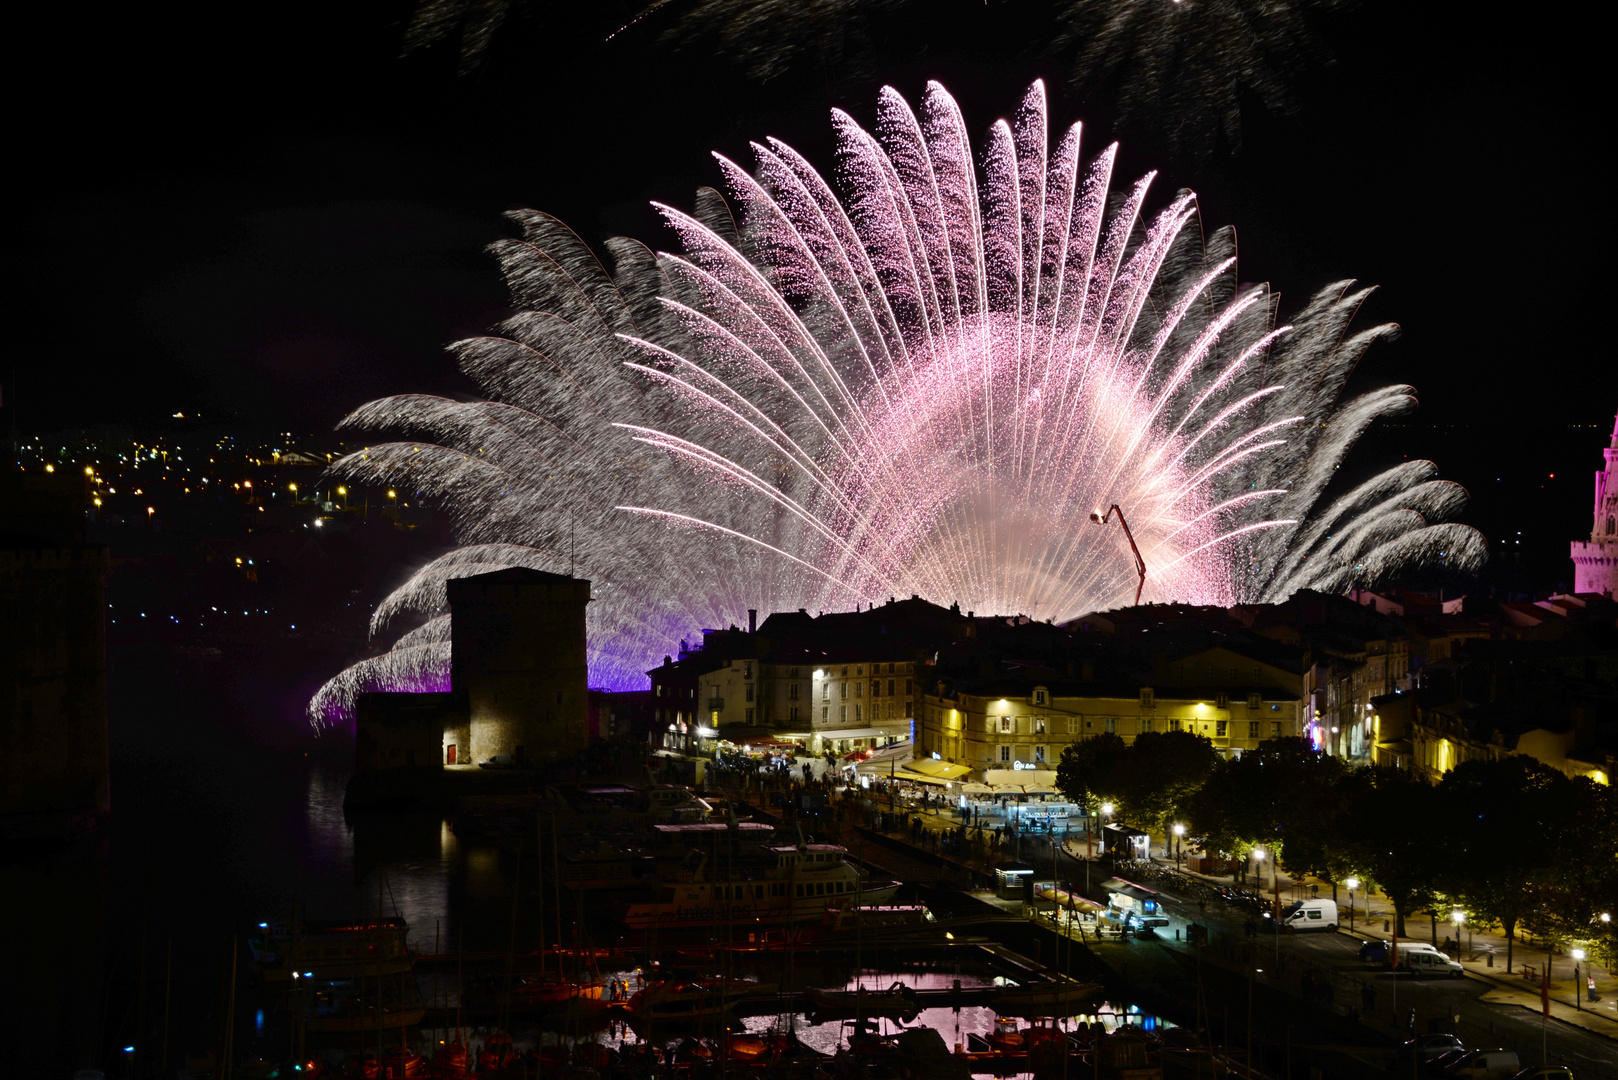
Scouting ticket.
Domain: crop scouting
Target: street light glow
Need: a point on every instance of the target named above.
(1577, 954)
(1352, 883)
(1106, 809)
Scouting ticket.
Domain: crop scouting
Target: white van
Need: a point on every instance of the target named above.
(1429, 965)
(1310, 915)
(1485, 1065)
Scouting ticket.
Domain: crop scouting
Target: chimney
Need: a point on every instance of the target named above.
(752, 620)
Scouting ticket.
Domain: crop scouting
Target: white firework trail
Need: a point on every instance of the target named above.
(922, 387)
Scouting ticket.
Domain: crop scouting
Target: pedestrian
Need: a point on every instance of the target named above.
(1410, 1022)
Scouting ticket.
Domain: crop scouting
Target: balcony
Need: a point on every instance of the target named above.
(716, 704)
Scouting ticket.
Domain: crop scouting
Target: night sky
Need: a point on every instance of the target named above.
(265, 214)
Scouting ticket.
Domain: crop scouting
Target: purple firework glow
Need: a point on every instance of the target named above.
(926, 386)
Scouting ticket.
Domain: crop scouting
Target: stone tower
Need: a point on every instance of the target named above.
(517, 661)
(1595, 564)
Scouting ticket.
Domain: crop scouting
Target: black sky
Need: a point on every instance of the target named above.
(264, 212)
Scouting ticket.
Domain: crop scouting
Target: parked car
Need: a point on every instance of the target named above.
(1376, 951)
(1430, 965)
(1494, 1064)
(1437, 1065)
(1427, 1047)
(1545, 1072)
(1310, 915)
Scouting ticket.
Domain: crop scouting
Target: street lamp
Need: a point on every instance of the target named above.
(1179, 840)
(343, 493)
(1354, 883)
(1258, 857)
(1577, 954)
(1457, 917)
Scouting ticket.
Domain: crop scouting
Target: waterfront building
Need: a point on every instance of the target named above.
(1011, 726)
(54, 785)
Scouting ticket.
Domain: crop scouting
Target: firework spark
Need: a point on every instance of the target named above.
(926, 386)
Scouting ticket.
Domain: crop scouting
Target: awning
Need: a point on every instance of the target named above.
(852, 733)
(1128, 888)
(942, 770)
(976, 789)
(1038, 789)
(917, 778)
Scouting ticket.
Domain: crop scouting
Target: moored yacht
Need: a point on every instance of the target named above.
(785, 884)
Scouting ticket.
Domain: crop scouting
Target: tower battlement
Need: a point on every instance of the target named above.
(1595, 562)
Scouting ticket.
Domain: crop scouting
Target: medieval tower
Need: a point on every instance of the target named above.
(1595, 564)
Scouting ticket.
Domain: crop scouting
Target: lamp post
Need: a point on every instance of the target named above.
(1179, 841)
(1258, 857)
(342, 493)
(1353, 883)
(1457, 918)
(1106, 812)
(1578, 954)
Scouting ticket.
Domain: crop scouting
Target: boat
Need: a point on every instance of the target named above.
(1055, 998)
(784, 884)
(357, 1019)
(331, 950)
(897, 1000)
(674, 999)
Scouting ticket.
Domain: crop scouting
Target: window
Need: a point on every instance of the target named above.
(1147, 698)
(1174, 724)
(1222, 701)
(876, 687)
(659, 689)
(1039, 695)
(747, 671)
(792, 691)
(858, 710)
(1219, 728)
(825, 691)
(1275, 729)
(1252, 729)
(859, 689)
(890, 682)
(890, 672)
(749, 691)
(1005, 752)
(910, 708)
(842, 714)
(792, 714)
(792, 673)
(844, 690)
(825, 714)
(1255, 701)
(1039, 753)
(1145, 724)
(907, 686)
(713, 717)
(1039, 725)
(1112, 725)
(749, 716)
(1007, 724)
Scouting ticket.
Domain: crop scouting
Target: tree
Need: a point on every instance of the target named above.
(1090, 771)
(1394, 815)
(1160, 773)
(1505, 822)
(1266, 796)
